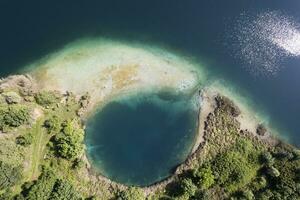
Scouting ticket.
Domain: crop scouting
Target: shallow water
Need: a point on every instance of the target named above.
(203, 29)
(139, 140)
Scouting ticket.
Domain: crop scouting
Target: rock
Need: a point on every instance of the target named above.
(261, 130)
(12, 97)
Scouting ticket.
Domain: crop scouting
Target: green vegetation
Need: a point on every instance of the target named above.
(41, 156)
(48, 186)
(9, 175)
(53, 124)
(68, 143)
(132, 193)
(234, 164)
(187, 187)
(25, 140)
(204, 177)
(47, 98)
(13, 116)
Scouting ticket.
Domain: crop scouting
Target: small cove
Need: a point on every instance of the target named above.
(139, 140)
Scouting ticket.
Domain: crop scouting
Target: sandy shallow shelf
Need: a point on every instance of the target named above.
(106, 69)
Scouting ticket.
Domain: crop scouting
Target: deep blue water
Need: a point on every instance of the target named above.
(32, 29)
(141, 139)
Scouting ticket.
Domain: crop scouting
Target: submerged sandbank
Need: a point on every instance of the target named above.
(107, 69)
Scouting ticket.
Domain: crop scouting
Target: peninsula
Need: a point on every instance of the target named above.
(43, 116)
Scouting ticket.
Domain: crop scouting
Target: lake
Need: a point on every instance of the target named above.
(139, 140)
(208, 31)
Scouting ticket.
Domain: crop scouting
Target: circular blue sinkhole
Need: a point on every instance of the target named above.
(139, 140)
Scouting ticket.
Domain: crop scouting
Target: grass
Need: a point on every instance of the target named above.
(38, 147)
(232, 157)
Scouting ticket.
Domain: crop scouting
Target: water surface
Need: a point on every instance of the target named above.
(140, 140)
(30, 30)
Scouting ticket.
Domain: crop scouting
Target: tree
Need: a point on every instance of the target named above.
(63, 190)
(42, 188)
(132, 193)
(188, 187)
(247, 195)
(6, 195)
(267, 158)
(9, 175)
(13, 116)
(259, 183)
(47, 187)
(205, 177)
(68, 143)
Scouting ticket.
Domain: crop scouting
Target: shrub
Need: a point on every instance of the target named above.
(68, 143)
(53, 124)
(25, 140)
(205, 177)
(132, 193)
(47, 98)
(9, 175)
(13, 116)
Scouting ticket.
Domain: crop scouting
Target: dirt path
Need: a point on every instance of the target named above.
(37, 148)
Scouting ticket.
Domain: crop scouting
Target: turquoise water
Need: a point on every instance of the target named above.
(204, 30)
(140, 140)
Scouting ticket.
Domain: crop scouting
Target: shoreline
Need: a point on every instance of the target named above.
(207, 103)
(207, 106)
